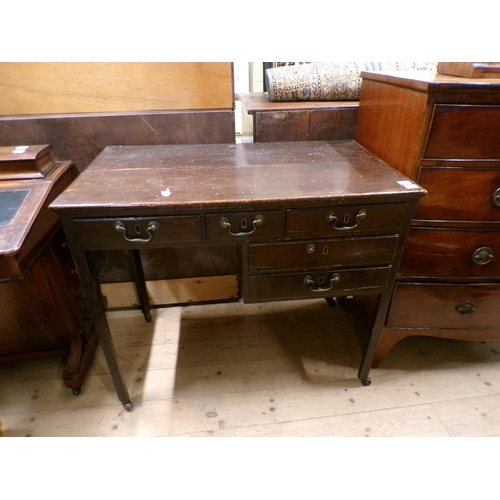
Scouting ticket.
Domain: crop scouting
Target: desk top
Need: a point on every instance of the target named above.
(155, 178)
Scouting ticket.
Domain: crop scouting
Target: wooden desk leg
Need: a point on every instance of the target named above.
(92, 291)
(366, 363)
(137, 271)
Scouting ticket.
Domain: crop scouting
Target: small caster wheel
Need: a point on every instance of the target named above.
(331, 301)
(76, 392)
(147, 317)
(128, 406)
(367, 381)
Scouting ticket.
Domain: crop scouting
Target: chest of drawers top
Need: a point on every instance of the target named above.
(412, 120)
(164, 180)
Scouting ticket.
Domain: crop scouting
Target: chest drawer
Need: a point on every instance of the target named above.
(464, 132)
(436, 306)
(241, 225)
(331, 253)
(307, 285)
(341, 221)
(459, 194)
(451, 253)
(137, 232)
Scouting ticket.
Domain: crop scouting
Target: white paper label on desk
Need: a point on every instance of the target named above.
(408, 184)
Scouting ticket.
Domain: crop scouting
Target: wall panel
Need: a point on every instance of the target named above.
(75, 87)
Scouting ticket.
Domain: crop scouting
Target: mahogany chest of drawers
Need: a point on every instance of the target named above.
(444, 133)
(310, 219)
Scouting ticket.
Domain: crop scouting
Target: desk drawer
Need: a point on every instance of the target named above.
(459, 194)
(452, 253)
(464, 132)
(137, 232)
(341, 221)
(445, 306)
(242, 225)
(332, 253)
(307, 285)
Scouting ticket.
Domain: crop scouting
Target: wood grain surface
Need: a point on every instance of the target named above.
(81, 87)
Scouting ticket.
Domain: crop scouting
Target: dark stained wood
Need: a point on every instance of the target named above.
(267, 175)
(442, 131)
(171, 263)
(279, 126)
(44, 315)
(259, 101)
(329, 254)
(25, 162)
(182, 229)
(33, 224)
(375, 220)
(27, 304)
(263, 288)
(243, 194)
(310, 125)
(335, 124)
(82, 137)
(300, 121)
(42, 311)
(256, 225)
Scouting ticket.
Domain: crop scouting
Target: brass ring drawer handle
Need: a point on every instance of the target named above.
(334, 219)
(258, 221)
(466, 308)
(482, 256)
(318, 288)
(152, 226)
(496, 198)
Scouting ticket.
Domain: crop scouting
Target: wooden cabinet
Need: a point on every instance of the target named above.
(43, 311)
(300, 121)
(444, 133)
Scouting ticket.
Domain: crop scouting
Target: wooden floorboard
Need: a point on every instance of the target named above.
(277, 369)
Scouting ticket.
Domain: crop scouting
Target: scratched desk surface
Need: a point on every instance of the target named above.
(204, 175)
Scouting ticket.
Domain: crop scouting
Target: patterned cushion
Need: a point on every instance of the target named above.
(326, 81)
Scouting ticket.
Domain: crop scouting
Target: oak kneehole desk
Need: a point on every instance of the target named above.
(312, 219)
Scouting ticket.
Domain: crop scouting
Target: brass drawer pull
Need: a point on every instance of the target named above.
(318, 288)
(466, 308)
(333, 219)
(496, 198)
(258, 221)
(152, 226)
(310, 248)
(482, 256)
